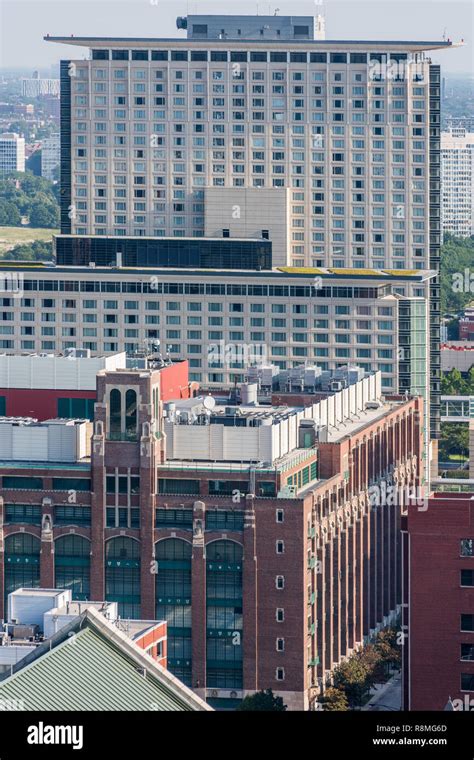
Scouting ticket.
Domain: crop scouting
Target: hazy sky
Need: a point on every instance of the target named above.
(24, 22)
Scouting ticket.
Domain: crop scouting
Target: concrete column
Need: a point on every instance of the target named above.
(3, 612)
(147, 528)
(47, 545)
(321, 605)
(346, 568)
(471, 448)
(198, 601)
(337, 601)
(329, 602)
(98, 517)
(250, 602)
(358, 526)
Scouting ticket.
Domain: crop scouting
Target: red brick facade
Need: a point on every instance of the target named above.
(433, 562)
(335, 548)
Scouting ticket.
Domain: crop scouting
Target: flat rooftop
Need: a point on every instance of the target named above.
(381, 275)
(32, 422)
(414, 46)
(364, 418)
(24, 591)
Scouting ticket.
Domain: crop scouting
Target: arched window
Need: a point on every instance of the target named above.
(72, 565)
(115, 412)
(122, 575)
(131, 415)
(224, 615)
(22, 563)
(173, 602)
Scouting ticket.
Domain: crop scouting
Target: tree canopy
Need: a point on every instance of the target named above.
(38, 250)
(262, 701)
(456, 273)
(24, 194)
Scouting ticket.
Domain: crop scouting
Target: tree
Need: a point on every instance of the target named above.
(23, 194)
(456, 273)
(9, 214)
(353, 677)
(370, 657)
(388, 648)
(44, 215)
(262, 701)
(334, 700)
(38, 250)
(453, 384)
(454, 440)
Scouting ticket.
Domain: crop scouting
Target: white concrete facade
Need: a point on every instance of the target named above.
(12, 153)
(350, 143)
(457, 182)
(50, 156)
(219, 325)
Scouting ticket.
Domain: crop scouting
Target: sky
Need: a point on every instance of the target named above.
(23, 23)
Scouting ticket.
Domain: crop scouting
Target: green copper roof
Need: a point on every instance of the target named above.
(91, 671)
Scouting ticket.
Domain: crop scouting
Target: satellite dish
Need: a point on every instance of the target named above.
(209, 402)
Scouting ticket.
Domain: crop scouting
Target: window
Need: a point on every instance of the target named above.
(280, 615)
(76, 408)
(173, 600)
(467, 577)
(280, 645)
(467, 681)
(467, 547)
(71, 484)
(467, 622)
(280, 674)
(23, 513)
(224, 614)
(280, 515)
(131, 415)
(219, 519)
(122, 575)
(72, 565)
(227, 487)
(115, 423)
(280, 547)
(72, 515)
(22, 562)
(178, 486)
(23, 483)
(280, 582)
(178, 518)
(467, 651)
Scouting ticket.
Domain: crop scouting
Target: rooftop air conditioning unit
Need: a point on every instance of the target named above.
(373, 405)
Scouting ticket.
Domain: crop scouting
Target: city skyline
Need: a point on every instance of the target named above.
(230, 419)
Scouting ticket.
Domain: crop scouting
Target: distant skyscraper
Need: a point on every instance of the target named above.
(34, 87)
(12, 153)
(50, 156)
(457, 182)
(460, 122)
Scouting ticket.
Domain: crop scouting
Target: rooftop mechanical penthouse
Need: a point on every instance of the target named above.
(251, 529)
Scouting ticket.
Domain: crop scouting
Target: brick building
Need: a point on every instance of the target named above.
(439, 594)
(252, 530)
